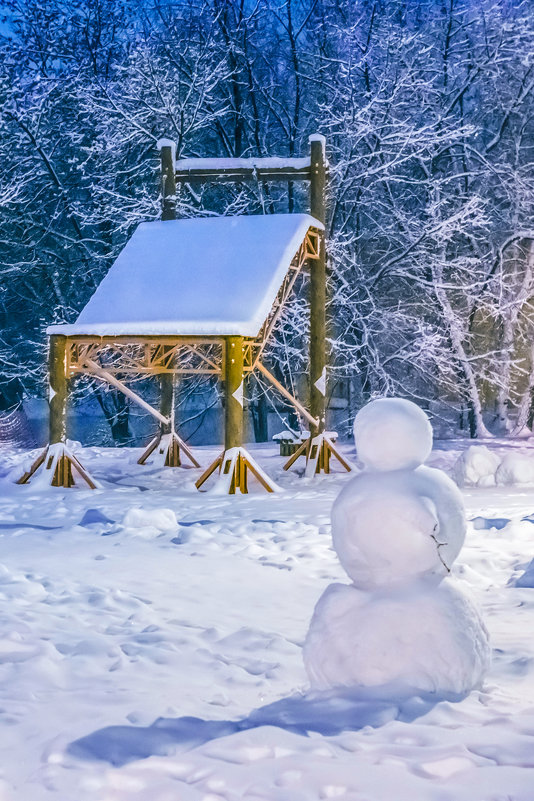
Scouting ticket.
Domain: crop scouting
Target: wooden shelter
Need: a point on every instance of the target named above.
(200, 296)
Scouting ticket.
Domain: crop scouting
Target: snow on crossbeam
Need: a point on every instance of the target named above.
(222, 170)
(270, 163)
(211, 276)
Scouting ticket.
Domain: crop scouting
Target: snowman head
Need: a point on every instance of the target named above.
(392, 434)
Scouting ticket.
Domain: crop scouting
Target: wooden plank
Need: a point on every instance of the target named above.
(81, 470)
(209, 470)
(188, 452)
(151, 447)
(333, 450)
(35, 466)
(257, 474)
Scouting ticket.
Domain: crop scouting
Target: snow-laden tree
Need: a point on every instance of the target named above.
(427, 107)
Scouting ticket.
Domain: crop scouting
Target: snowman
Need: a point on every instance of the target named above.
(397, 528)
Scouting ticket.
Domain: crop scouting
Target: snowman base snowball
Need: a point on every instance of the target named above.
(418, 636)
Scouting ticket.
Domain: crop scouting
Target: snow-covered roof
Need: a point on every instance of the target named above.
(200, 276)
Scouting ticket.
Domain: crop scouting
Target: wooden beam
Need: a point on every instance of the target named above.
(224, 170)
(279, 303)
(240, 176)
(233, 393)
(142, 339)
(57, 402)
(318, 289)
(99, 372)
(283, 391)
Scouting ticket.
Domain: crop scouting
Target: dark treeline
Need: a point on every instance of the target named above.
(427, 107)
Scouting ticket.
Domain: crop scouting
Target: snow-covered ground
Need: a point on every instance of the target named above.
(113, 617)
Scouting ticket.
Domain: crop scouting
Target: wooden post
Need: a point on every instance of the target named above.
(233, 392)
(58, 389)
(168, 179)
(167, 150)
(166, 403)
(318, 288)
(56, 461)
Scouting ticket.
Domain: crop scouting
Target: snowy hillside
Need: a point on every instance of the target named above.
(151, 648)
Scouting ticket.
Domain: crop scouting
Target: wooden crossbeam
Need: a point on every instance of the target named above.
(149, 356)
(282, 297)
(312, 244)
(195, 350)
(223, 171)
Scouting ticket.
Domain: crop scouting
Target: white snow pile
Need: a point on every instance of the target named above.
(397, 528)
(149, 523)
(516, 469)
(478, 466)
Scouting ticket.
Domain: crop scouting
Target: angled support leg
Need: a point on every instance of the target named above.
(318, 451)
(167, 446)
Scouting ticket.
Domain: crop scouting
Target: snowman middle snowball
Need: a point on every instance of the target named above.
(398, 520)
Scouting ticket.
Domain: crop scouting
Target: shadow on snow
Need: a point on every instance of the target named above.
(327, 713)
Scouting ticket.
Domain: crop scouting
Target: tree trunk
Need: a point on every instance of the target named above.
(477, 427)
(116, 409)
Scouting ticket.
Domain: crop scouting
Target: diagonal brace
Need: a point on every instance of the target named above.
(283, 391)
(103, 375)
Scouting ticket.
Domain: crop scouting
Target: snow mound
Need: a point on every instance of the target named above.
(515, 469)
(424, 637)
(394, 527)
(149, 523)
(526, 579)
(392, 434)
(477, 467)
(17, 587)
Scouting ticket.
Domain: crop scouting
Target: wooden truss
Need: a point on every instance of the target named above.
(145, 356)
